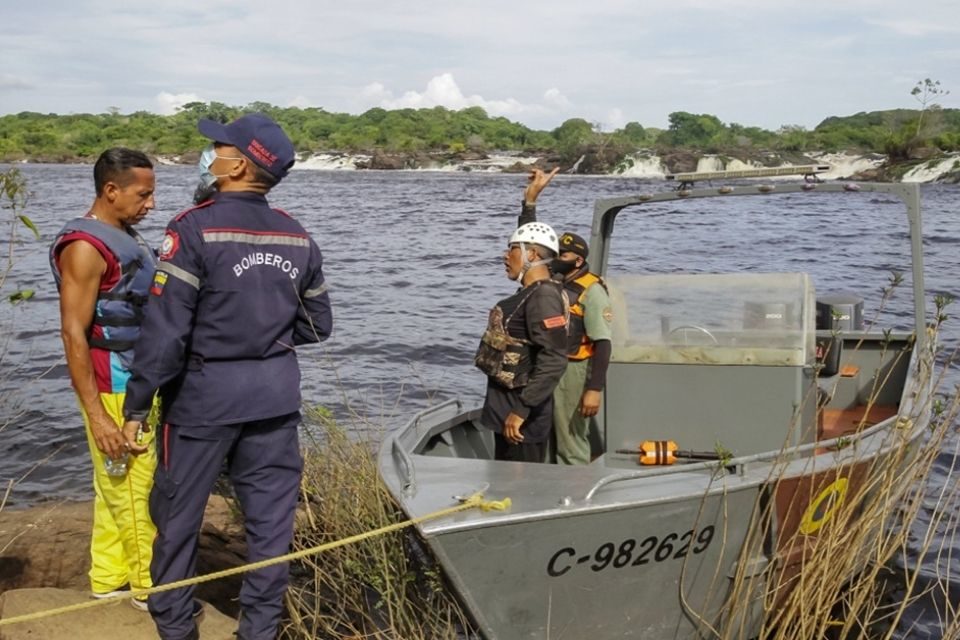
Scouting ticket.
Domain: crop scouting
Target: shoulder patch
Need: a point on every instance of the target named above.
(169, 246)
(554, 322)
(608, 314)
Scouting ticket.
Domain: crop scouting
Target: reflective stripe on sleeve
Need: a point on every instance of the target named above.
(180, 274)
(256, 238)
(313, 293)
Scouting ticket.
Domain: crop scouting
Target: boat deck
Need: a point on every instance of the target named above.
(841, 422)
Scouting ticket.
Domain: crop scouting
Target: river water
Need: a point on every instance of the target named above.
(413, 262)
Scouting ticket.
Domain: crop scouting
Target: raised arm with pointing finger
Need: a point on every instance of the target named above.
(536, 182)
(577, 396)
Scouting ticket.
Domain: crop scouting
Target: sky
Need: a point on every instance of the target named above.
(761, 63)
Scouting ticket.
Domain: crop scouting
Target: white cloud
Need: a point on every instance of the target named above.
(614, 119)
(554, 98)
(376, 92)
(648, 59)
(300, 101)
(169, 103)
(443, 91)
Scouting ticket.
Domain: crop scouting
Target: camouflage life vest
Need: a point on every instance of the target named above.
(501, 356)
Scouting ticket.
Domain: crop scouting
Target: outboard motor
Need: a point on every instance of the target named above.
(841, 312)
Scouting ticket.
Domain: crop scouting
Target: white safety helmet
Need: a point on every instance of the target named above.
(536, 233)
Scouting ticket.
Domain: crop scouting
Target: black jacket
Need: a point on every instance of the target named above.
(540, 306)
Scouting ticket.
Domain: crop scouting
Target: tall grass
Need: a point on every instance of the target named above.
(14, 196)
(383, 587)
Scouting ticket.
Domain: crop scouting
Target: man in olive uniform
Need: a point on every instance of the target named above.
(577, 396)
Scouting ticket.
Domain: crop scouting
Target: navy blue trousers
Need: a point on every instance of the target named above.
(264, 462)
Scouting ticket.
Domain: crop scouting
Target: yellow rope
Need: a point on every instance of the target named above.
(474, 501)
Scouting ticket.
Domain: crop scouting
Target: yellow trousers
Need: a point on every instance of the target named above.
(122, 541)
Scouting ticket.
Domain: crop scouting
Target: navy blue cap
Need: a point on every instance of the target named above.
(257, 137)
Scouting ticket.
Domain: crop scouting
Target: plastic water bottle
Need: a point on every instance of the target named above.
(117, 467)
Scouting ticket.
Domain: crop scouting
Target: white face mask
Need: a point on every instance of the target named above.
(209, 154)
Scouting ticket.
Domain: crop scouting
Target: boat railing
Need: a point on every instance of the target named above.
(400, 440)
(607, 210)
(740, 464)
(808, 171)
(408, 478)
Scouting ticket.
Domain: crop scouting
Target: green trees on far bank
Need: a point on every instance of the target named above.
(52, 137)
(900, 133)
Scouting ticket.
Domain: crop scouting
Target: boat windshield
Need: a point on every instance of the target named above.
(765, 319)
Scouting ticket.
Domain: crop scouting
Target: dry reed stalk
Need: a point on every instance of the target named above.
(849, 565)
(383, 587)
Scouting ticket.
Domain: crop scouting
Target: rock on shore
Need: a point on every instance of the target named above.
(45, 557)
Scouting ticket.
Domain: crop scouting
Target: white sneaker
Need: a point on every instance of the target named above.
(109, 594)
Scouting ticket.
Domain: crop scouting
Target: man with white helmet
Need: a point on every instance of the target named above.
(523, 350)
(576, 399)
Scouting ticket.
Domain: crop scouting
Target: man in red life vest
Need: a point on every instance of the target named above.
(103, 269)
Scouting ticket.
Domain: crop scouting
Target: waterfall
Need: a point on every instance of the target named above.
(330, 161)
(644, 164)
(710, 164)
(843, 166)
(930, 171)
(641, 165)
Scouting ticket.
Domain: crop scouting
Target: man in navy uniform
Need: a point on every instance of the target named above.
(238, 286)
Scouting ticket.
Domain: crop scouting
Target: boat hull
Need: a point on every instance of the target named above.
(673, 556)
(645, 571)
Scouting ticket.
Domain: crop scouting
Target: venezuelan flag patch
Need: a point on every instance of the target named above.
(159, 280)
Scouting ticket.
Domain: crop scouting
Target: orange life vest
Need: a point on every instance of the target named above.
(579, 345)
